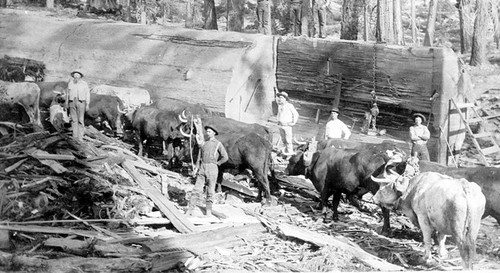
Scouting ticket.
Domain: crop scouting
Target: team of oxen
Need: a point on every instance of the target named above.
(446, 200)
(450, 201)
(167, 121)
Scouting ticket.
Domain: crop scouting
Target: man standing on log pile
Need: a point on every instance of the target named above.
(419, 135)
(287, 117)
(78, 102)
(211, 151)
(319, 16)
(264, 16)
(296, 17)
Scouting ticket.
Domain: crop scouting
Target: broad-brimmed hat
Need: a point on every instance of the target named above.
(419, 115)
(211, 128)
(283, 94)
(335, 109)
(76, 71)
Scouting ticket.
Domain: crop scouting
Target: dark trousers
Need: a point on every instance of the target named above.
(319, 15)
(421, 150)
(264, 17)
(295, 18)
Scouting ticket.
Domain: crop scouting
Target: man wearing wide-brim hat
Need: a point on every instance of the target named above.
(78, 100)
(419, 135)
(287, 117)
(213, 154)
(335, 128)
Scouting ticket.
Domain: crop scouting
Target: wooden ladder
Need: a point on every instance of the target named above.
(483, 152)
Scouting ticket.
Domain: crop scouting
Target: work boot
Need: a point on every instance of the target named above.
(192, 204)
(209, 209)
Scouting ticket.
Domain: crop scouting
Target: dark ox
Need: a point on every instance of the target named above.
(150, 123)
(437, 202)
(248, 147)
(336, 171)
(105, 111)
(48, 91)
(27, 95)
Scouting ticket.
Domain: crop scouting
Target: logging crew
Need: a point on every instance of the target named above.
(296, 17)
(213, 154)
(264, 16)
(419, 135)
(287, 117)
(319, 17)
(335, 128)
(78, 102)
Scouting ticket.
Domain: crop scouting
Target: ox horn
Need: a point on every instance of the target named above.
(182, 117)
(299, 142)
(184, 133)
(120, 110)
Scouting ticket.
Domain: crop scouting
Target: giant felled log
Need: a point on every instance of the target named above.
(235, 73)
(403, 79)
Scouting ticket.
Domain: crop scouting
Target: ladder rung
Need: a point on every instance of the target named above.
(492, 116)
(462, 105)
(480, 135)
(472, 120)
(491, 150)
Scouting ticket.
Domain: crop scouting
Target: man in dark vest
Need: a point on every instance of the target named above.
(296, 17)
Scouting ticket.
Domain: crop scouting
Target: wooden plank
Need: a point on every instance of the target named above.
(481, 135)
(491, 150)
(15, 165)
(179, 220)
(238, 187)
(52, 230)
(343, 243)
(54, 165)
(204, 242)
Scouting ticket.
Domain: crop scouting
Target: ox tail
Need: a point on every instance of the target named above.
(467, 245)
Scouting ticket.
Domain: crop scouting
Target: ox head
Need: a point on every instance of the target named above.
(393, 184)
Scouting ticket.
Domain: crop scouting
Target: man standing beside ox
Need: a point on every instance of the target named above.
(78, 102)
(419, 135)
(287, 117)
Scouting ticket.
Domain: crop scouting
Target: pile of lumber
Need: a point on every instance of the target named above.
(94, 206)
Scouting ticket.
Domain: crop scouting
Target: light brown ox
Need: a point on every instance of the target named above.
(27, 94)
(440, 203)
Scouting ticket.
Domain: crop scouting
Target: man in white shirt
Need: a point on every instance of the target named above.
(78, 102)
(419, 135)
(287, 117)
(335, 128)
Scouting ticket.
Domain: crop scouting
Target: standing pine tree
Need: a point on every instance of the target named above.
(479, 38)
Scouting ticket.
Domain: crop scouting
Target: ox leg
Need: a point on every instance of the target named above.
(386, 228)
(443, 253)
(426, 229)
(336, 201)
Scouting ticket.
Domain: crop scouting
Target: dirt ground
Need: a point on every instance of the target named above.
(404, 245)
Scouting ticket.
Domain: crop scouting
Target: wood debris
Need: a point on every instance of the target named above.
(98, 207)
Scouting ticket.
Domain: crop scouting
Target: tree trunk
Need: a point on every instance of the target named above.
(398, 28)
(413, 23)
(389, 22)
(209, 15)
(466, 17)
(479, 38)
(431, 22)
(366, 19)
(380, 31)
(350, 19)
(235, 15)
(496, 22)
